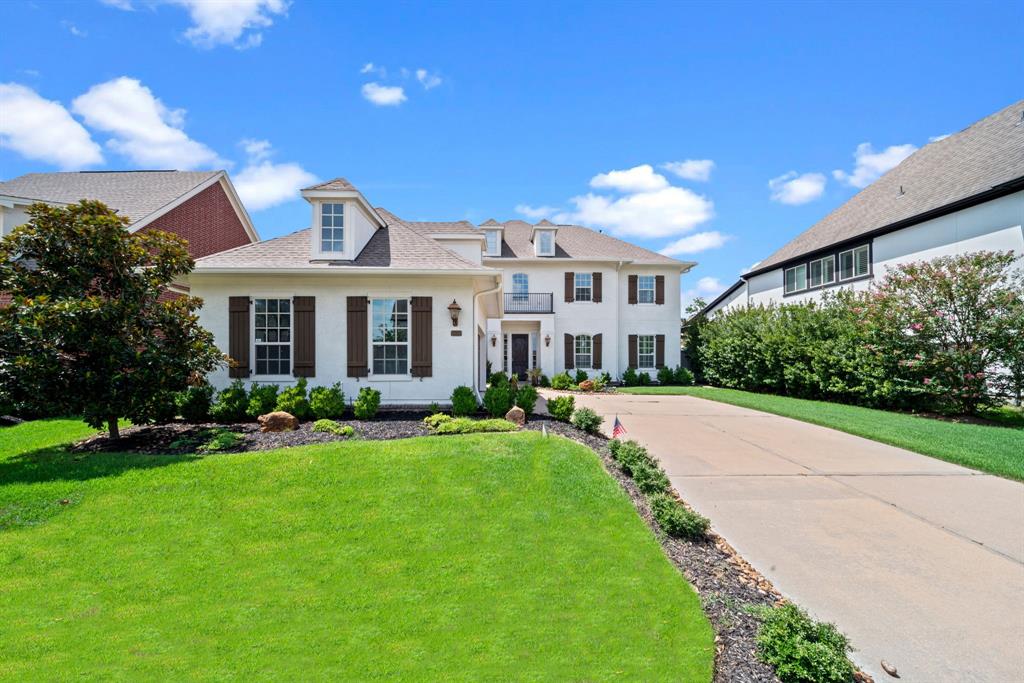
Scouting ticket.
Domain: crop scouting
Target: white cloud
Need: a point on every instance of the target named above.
(637, 179)
(143, 129)
(119, 4)
(371, 68)
(870, 165)
(696, 243)
(43, 130)
(384, 95)
(660, 213)
(427, 80)
(262, 184)
(794, 189)
(535, 212)
(707, 288)
(73, 30)
(691, 169)
(936, 138)
(230, 22)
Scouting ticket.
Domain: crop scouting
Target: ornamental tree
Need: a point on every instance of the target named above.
(87, 332)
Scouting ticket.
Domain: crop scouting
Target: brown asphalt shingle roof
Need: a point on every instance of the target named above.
(985, 155)
(578, 242)
(336, 184)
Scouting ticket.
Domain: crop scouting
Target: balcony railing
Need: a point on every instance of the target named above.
(529, 302)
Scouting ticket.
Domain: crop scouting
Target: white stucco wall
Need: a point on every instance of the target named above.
(10, 218)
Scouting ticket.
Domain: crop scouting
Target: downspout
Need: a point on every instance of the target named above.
(476, 364)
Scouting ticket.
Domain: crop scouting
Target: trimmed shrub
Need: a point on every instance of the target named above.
(194, 403)
(561, 381)
(464, 425)
(544, 381)
(597, 383)
(649, 477)
(561, 407)
(526, 398)
(630, 455)
(675, 519)
(587, 420)
(581, 376)
(629, 377)
(332, 427)
(262, 400)
(683, 376)
(293, 400)
(366, 404)
(497, 379)
(432, 421)
(463, 401)
(327, 402)
(498, 400)
(163, 408)
(665, 375)
(232, 402)
(800, 649)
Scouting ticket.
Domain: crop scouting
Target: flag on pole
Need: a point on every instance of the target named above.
(617, 428)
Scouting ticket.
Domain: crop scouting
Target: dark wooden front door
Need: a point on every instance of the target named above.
(520, 354)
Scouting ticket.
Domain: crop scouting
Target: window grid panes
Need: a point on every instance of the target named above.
(332, 227)
(823, 271)
(520, 286)
(390, 336)
(584, 287)
(854, 263)
(493, 238)
(796, 278)
(272, 331)
(645, 350)
(546, 247)
(645, 289)
(583, 351)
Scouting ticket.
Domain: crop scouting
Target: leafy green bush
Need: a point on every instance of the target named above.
(665, 375)
(366, 404)
(649, 477)
(643, 379)
(221, 440)
(497, 379)
(800, 649)
(544, 381)
(434, 407)
(675, 519)
(332, 427)
(194, 403)
(561, 407)
(162, 408)
(683, 376)
(327, 402)
(526, 398)
(432, 421)
(587, 420)
(293, 400)
(629, 454)
(605, 377)
(629, 378)
(231, 404)
(262, 400)
(464, 425)
(463, 401)
(581, 375)
(498, 399)
(534, 375)
(561, 381)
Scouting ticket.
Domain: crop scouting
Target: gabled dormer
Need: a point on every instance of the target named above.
(343, 221)
(493, 236)
(543, 238)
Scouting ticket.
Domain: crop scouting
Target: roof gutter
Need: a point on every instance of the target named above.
(350, 270)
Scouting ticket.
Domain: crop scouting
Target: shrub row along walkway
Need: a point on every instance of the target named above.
(919, 561)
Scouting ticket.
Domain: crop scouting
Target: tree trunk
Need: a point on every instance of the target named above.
(115, 433)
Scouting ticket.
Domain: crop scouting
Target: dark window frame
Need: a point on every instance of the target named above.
(837, 280)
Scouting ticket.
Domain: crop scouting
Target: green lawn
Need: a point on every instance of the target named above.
(994, 449)
(481, 557)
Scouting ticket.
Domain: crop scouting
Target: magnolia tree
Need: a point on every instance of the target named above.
(86, 332)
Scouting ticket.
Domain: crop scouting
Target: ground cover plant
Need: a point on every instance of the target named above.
(445, 424)
(404, 559)
(800, 649)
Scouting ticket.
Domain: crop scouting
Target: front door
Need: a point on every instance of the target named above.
(520, 355)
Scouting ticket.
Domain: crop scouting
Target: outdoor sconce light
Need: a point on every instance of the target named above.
(547, 340)
(494, 339)
(454, 309)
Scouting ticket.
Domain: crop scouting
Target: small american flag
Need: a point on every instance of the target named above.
(617, 428)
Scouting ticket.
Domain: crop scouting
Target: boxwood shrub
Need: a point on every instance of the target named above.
(800, 649)
(327, 402)
(498, 399)
(366, 404)
(293, 400)
(262, 399)
(463, 401)
(232, 403)
(526, 398)
(194, 403)
(587, 420)
(675, 519)
(561, 407)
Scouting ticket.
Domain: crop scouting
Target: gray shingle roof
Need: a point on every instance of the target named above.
(575, 241)
(135, 194)
(985, 155)
(336, 184)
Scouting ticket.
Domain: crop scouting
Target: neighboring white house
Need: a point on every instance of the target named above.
(960, 194)
(415, 309)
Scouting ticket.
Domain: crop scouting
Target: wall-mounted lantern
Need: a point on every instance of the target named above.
(494, 339)
(454, 309)
(547, 340)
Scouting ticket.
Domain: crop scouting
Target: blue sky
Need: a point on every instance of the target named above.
(471, 110)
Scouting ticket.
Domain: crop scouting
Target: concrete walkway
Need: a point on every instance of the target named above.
(919, 562)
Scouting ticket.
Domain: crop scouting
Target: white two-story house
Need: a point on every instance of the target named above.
(416, 308)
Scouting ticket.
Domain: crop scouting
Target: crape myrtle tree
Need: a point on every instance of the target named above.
(86, 332)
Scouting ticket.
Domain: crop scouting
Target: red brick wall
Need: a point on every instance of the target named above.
(207, 221)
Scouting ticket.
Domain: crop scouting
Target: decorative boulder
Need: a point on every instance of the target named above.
(587, 385)
(278, 421)
(516, 416)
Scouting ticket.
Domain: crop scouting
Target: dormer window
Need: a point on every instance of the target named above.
(493, 244)
(545, 243)
(332, 228)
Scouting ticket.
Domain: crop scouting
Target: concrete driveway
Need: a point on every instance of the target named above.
(919, 562)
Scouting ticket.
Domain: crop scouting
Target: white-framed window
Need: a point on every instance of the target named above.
(584, 287)
(584, 348)
(645, 350)
(332, 228)
(389, 336)
(854, 262)
(796, 278)
(493, 242)
(272, 336)
(645, 290)
(545, 243)
(822, 271)
(520, 286)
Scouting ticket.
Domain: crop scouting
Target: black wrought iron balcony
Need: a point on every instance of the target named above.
(529, 302)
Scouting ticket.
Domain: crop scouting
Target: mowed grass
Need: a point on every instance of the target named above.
(479, 557)
(995, 449)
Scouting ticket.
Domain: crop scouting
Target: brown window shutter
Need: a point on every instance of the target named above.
(659, 350)
(358, 331)
(597, 288)
(632, 290)
(570, 287)
(422, 336)
(570, 352)
(304, 336)
(659, 289)
(632, 361)
(596, 363)
(238, 336)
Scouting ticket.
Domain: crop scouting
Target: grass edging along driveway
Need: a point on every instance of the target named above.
(467, 556)
(994, 449)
